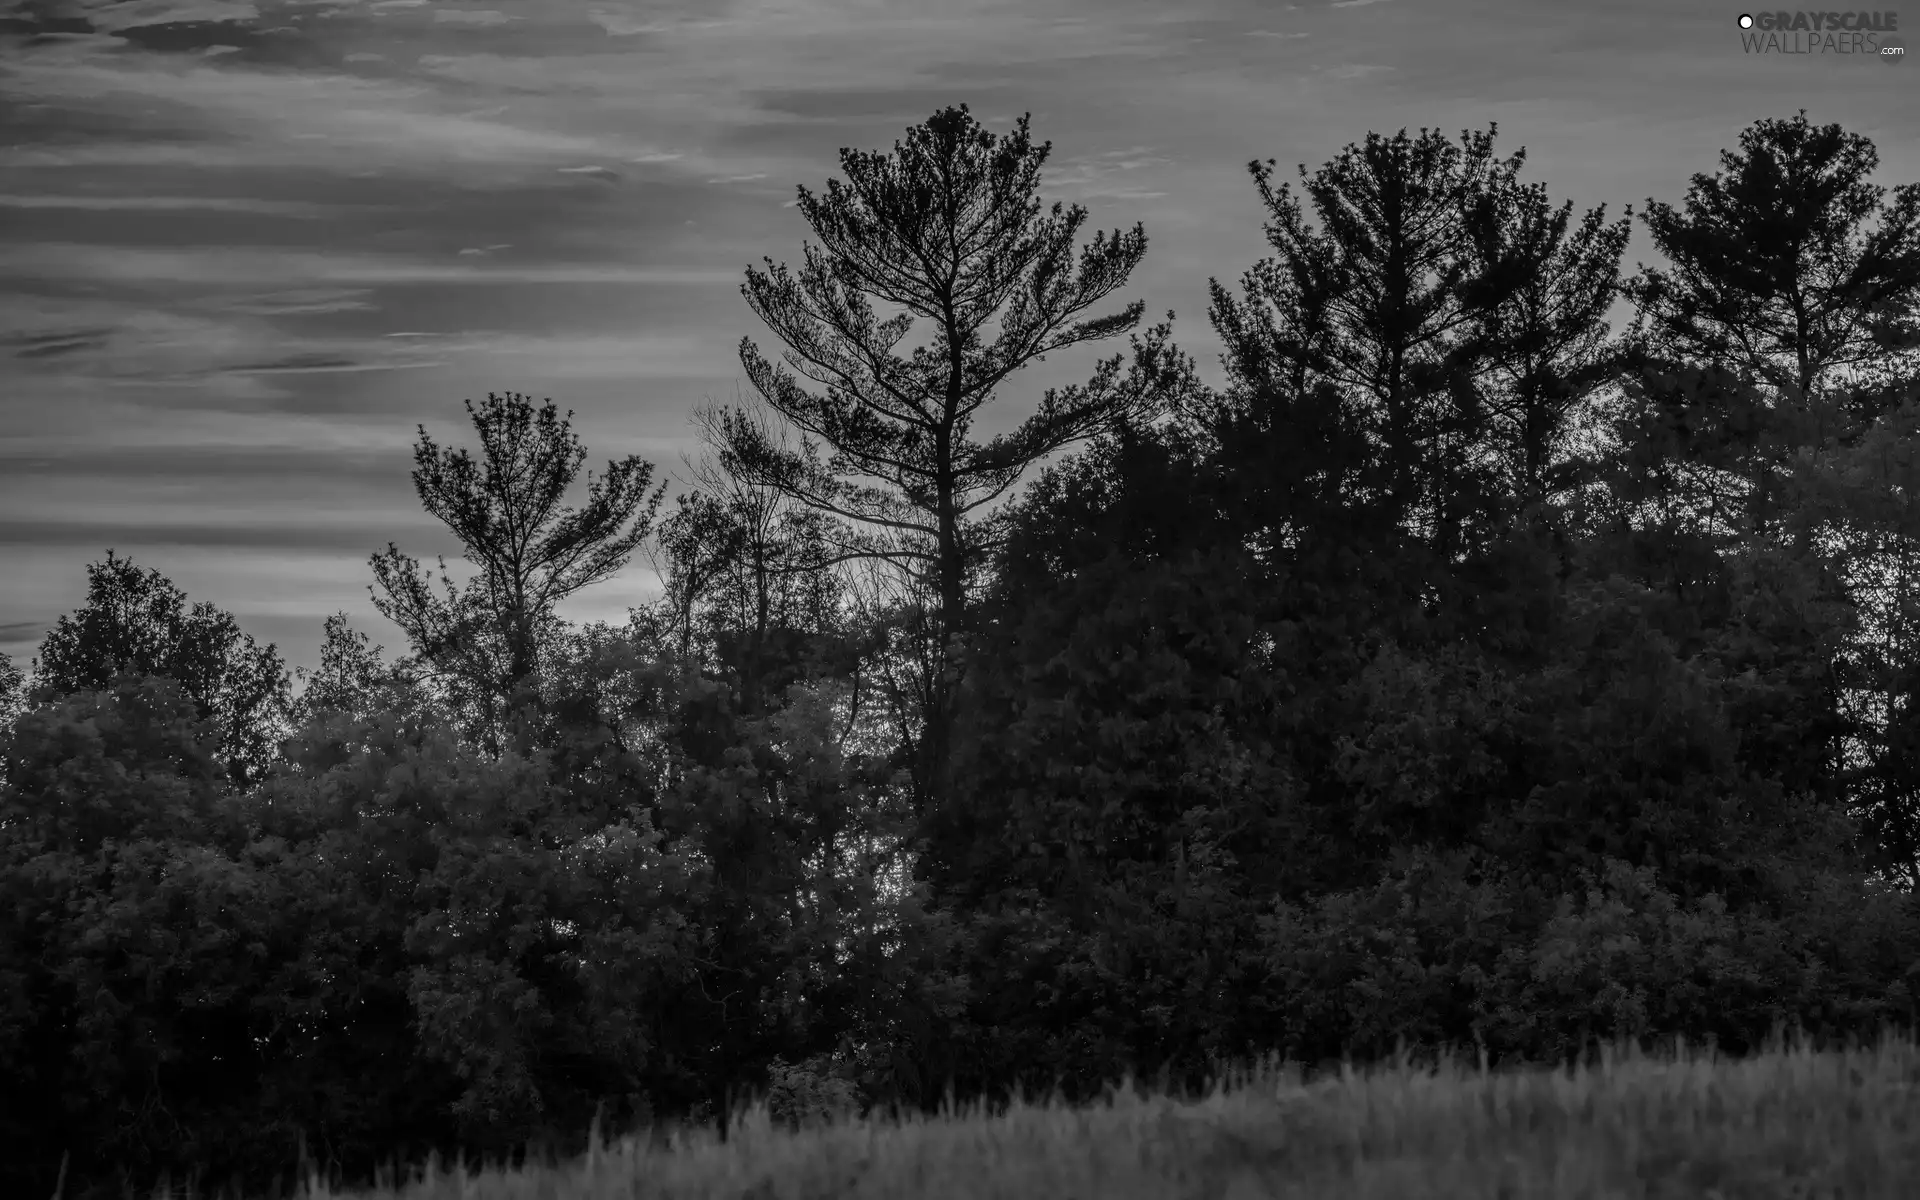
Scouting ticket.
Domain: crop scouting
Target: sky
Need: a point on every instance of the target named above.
(246, 248)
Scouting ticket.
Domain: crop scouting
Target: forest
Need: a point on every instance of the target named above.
(1519, 649)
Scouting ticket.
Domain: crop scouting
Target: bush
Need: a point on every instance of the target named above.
(810, 1093)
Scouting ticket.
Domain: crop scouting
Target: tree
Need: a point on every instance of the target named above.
(352, 678)
(1372, 304)
(1229, 779)
(1775, 271)
(1539, 290)
(700, 541)
(532, 553)
(137, 621)
(369, 950)
(1871, 489)
(1769, 359)
(947, 229)
(1403, 377)
(13, 686)
(111, 808)
(744, 571)
(1781, 292)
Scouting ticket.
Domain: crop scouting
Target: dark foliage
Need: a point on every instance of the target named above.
(138, 621)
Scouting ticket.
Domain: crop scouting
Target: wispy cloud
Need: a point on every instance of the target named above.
(1123, 174)
(620, 25)
(485, 17)
(258, 119)
(294, 302)
(1355, 70)
(122, 343)
(222, 266)
(235, 204)
(560, 358)
(119, 16)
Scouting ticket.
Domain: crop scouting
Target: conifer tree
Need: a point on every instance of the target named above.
(531, 551)
(1371, 303)
(1793, 280)
(1761, 446)
(948, 230)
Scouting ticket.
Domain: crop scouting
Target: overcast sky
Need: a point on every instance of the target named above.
(245, 248)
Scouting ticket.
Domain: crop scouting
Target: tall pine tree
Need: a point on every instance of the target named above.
(947, 229)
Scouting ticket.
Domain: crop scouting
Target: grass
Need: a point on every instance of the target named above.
(1786, 1123)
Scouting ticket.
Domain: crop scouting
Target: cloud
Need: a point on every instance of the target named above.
(300, 302)
(118, 16)
(224, 266)
(557, 357)
(126, 343)
(272, 528)
(1107, 175)
(484, 17)
(319, 364)
(271, 208)
(135, 467)
(70, 359)
(623, 25)
(126, 340)
(240, 117)
(218, 414)
(575, 102)
(52, 345)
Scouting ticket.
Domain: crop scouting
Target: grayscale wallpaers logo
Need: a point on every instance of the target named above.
(1865, 34)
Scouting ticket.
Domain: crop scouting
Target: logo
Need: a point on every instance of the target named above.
(1854, 34)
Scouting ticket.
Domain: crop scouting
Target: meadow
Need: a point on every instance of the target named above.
(1632, 1123)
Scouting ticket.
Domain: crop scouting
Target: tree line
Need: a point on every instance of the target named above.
(1463, 672)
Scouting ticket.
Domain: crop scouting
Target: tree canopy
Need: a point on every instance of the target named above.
(137, 622)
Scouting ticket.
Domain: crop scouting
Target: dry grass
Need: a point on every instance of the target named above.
(1791, 1123)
